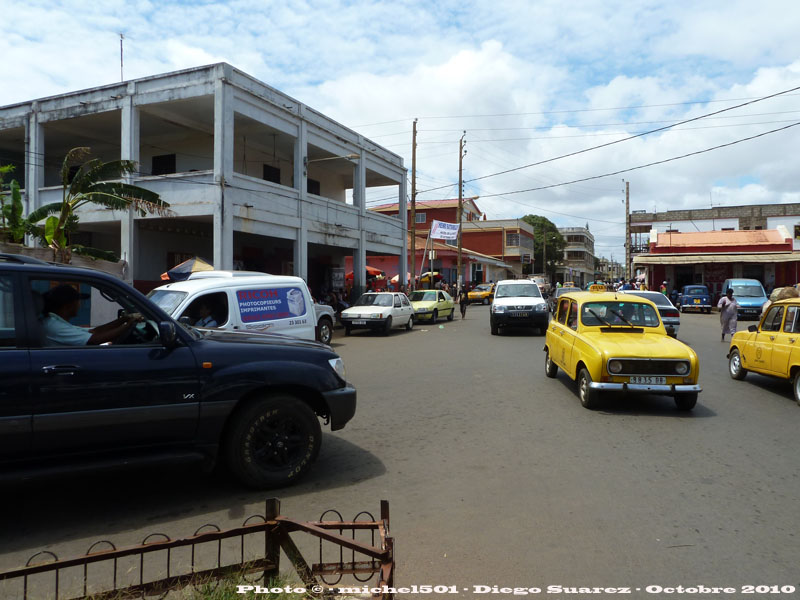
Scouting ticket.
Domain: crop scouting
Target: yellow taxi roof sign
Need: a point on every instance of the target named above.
(597, 287)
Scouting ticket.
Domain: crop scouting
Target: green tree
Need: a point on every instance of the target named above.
(545, 230)
(91, 183)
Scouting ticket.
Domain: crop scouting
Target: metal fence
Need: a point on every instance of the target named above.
(248, 554)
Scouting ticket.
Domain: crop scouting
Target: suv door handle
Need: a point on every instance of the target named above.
(60, 369)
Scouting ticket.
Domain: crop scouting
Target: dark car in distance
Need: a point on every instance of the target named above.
(159, 392)
(694, 297)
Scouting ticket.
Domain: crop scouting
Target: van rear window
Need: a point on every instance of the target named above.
(268, 304)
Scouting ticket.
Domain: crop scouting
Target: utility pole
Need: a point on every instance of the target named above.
(413, 206)
(121, 37)
(627, 231)
(461, 153)
(544, 252)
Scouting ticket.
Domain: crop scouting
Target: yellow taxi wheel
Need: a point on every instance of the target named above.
(589, 398)
(735, 367)
(796, 386)
(550, 368)
(486, 301)
(450, 316)
(686, 401)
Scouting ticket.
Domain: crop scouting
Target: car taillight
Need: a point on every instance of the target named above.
(670, 313)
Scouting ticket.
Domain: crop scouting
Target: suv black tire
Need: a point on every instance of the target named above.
(280, 424)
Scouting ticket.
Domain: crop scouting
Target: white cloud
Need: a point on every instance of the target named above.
(367, 61)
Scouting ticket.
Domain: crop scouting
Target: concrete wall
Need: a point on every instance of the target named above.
(154, 246)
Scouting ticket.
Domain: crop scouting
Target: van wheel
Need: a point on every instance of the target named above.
(272, 442)
(325, 330)
(387, 328)
(589, 397)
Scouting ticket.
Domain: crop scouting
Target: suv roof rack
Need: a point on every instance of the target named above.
(22, 259)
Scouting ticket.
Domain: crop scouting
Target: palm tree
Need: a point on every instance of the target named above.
(91, 183)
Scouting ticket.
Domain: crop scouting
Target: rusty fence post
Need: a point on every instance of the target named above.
(272, 539)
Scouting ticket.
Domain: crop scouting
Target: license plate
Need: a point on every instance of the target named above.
(648, 380)
(520, 314)
(697, 301)
(359, 322)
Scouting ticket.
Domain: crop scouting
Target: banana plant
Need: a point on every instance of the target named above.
(91, 183)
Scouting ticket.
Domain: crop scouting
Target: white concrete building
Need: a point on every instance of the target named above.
(255, 179)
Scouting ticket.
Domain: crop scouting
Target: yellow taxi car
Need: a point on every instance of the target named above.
(432, 304)
(771, 347)
(483, 293)
(616, 342)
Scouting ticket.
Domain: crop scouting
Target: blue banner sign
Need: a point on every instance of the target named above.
(268, 304)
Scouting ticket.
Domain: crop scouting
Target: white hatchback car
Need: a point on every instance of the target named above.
(379, 311)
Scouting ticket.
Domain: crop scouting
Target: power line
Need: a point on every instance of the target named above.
(658, 162)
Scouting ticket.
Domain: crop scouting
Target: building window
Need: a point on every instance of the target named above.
(163, 164)
(313, 187)
(758, 228)
(272, 174)
(512, 239)
(420, 217)
(730, 229)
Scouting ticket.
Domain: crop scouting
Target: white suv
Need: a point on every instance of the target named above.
(518, 303)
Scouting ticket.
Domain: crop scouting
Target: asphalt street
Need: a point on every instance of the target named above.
(496, 476)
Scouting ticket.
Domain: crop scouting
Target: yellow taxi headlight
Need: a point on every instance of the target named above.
(615, 367)
(681, 368)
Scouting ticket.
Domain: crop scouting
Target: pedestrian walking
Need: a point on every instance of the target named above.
(728, 313)
(463, 300)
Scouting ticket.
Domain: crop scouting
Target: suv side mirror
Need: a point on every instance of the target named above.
(167, 334)
(752, 328)
(185, 319)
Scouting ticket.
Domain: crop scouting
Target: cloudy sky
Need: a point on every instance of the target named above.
(529, 82)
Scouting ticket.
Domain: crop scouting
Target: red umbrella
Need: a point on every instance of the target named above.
(371, 272)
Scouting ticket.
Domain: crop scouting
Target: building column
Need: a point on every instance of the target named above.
(301, 184)
(359, 201)
(34, 159)
(223, 168)
(129, 150)
(403, 214)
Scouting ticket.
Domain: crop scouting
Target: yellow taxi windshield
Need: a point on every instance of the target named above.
(615, 313)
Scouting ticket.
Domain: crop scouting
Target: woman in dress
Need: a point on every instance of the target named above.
(463, 300)
(728, 312)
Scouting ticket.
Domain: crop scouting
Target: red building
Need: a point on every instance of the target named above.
(711, 257)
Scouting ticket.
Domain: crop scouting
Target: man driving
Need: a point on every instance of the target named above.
(62, 303)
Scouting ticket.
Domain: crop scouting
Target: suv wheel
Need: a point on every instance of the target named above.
(493, 326)
(589, 397)
(325, 331)
(272, 442)
(550, 368)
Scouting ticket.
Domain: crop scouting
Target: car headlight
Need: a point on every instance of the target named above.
(376, 316)
(498, 308)
(337, 364)
(615, 366)
(681, 368)
(541, 307)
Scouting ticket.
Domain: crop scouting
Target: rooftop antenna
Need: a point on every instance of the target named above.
(121, 37)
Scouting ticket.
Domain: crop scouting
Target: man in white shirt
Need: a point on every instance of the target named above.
(62, 303)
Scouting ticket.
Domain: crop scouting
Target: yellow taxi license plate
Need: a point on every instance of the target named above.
(648, 379)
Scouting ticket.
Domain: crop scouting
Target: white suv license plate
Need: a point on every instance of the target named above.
(648, 380)
(359, 322)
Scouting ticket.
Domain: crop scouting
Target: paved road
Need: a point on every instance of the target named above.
(497, 476)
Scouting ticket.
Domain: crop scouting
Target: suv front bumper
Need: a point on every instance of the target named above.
(534, 319)
(341, 405)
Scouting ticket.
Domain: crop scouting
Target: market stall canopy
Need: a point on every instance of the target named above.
(425, 277)
(397, 277)
(182, 271)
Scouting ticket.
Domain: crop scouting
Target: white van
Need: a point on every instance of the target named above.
(241, 301)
